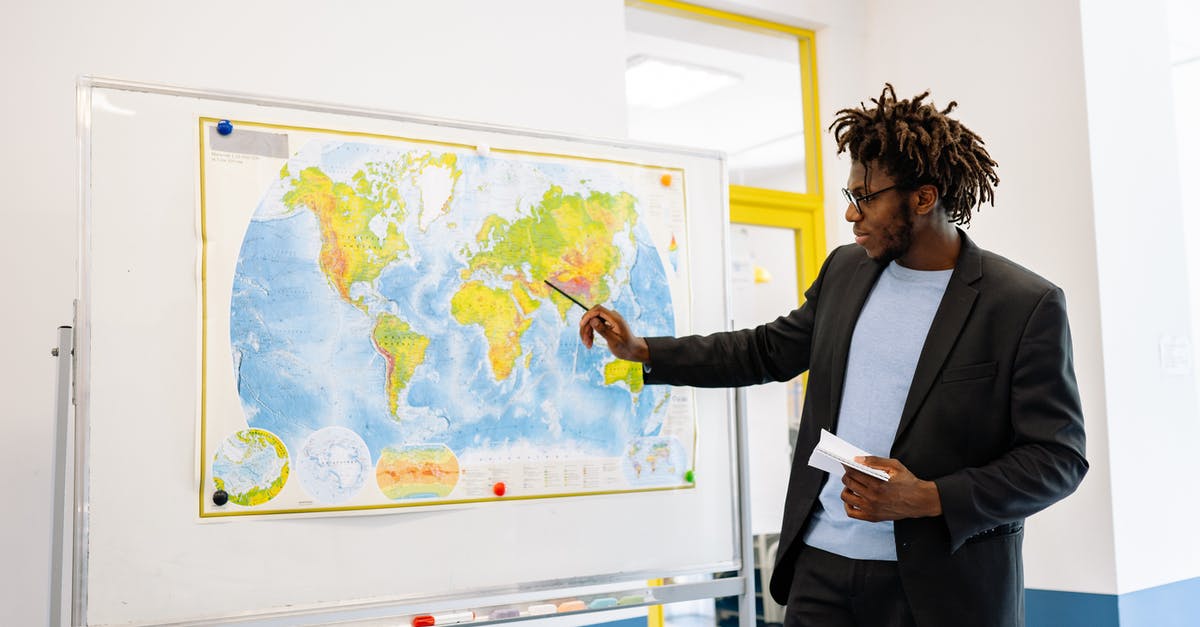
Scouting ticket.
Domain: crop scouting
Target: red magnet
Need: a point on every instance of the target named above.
(424, 620)
(498, 490)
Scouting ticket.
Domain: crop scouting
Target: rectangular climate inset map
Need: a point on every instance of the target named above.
(378, 334)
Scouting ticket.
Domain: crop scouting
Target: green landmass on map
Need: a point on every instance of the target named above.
(566, 239)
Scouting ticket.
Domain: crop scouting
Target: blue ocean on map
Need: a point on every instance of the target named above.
(303, 353)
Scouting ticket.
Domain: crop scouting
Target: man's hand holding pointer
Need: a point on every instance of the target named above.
(612, 327)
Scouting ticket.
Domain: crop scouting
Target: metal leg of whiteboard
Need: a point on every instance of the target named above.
(746, 606)
(62, 412)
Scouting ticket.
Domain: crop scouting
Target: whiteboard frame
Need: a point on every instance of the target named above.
(738, 572)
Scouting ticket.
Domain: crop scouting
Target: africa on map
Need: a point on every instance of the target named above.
(378, 332)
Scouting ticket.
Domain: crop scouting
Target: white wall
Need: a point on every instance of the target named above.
(1186, 81)
(1016, 70)
(532, 63)
(1154, 426)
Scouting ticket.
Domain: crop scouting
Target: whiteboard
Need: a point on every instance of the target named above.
(151, 559)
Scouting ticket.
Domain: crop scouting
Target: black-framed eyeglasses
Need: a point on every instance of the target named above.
(858, 200)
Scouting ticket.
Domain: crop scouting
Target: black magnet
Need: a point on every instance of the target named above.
(220, 497)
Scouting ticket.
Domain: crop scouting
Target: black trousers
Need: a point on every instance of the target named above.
(834, 591)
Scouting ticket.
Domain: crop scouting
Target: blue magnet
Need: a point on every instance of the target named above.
(224, 127)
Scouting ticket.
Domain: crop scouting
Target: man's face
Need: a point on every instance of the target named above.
(884, 229)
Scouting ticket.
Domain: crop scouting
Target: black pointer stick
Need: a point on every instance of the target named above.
(569, 297)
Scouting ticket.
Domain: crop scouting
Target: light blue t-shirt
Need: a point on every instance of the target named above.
(884, 350)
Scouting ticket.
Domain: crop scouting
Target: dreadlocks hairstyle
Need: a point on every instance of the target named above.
(919, 145)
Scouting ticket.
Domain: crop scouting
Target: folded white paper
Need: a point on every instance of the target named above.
(833, 452)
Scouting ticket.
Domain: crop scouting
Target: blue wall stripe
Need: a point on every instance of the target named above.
(1051, 608)
(1172, 605)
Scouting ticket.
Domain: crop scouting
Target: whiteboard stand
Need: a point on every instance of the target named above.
(157, 148)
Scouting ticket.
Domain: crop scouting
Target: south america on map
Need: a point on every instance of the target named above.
(382, 311)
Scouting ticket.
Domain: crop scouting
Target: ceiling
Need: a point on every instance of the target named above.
(757, 122)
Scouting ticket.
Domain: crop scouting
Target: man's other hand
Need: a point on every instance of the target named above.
(903, 495)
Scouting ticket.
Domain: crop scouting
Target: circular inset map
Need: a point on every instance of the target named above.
(251, 466)
(333, 464)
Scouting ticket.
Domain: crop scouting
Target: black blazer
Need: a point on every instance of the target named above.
(992, 417)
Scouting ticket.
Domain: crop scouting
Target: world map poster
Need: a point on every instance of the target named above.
(378, 331)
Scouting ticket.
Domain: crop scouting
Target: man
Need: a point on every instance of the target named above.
(953, 360)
